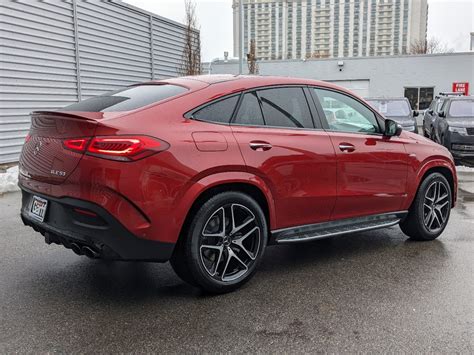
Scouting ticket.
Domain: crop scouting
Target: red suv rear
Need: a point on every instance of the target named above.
(207, 171)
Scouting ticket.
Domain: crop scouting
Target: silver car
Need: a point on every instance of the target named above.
(397, 109)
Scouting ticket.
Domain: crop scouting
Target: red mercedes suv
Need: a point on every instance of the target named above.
(207, 171)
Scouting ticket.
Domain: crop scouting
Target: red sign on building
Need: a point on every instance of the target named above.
(461, 87)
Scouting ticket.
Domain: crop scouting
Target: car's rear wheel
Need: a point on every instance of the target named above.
(223, 243)
(430, 211)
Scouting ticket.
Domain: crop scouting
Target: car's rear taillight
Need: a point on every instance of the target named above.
(123, 148)
(76, 144)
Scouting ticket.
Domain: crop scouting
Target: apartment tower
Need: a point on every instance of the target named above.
(298, 29)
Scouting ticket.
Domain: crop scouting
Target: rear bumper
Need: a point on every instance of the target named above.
(89, 229)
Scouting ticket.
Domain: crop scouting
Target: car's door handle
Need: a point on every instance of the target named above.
(260, 146)
(346, 147)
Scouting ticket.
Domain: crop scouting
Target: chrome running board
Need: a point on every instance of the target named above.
(333, 228)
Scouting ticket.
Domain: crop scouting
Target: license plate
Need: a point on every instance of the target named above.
(38, 208)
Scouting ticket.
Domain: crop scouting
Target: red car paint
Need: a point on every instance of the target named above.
(305, 177)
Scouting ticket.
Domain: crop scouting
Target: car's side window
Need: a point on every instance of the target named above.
(432, 105)
(249, 112)
(442, 107)
(220, 111)
(285, 107)
(439, 105)
(346, 114)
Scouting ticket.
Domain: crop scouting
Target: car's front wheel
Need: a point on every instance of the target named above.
(223, 243)
(430, 211)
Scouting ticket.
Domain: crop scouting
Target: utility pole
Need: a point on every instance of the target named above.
(241, 37)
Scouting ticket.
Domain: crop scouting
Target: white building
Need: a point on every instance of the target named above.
(297, 29)
(417, 77)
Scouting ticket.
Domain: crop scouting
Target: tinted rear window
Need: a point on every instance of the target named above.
(127, 99)
(249, 111)
(462, 108)
(391, 107)
(220, 111)
(285, 107)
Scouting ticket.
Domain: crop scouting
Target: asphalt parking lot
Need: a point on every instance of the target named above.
(366, 292)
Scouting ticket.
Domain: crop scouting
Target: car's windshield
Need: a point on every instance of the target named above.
(391, 107)
(462, 108)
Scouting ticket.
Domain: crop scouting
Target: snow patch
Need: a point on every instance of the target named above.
(465, 169)
(9, 180)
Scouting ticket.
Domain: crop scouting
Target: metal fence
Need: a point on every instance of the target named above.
(56, 52)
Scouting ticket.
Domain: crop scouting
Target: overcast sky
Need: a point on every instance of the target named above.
(450, 21)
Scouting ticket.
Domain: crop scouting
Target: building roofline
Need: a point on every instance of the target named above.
(232, 61)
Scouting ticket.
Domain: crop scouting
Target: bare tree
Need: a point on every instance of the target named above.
(429, 46)
(191, 57)
(252, 59)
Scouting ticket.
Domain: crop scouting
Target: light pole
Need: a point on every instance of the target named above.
(241, 37)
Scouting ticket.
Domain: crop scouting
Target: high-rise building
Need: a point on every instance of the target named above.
(297, 29)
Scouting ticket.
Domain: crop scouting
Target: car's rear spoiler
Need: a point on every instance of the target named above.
(91, 116)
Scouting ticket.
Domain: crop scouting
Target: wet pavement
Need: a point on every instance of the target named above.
(374, 291)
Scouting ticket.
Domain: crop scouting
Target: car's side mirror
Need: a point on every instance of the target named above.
(430, 112)
(392, 128)
(441, 114)
(416, 113)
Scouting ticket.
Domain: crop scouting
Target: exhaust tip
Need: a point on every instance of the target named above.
(89, 252)
(76, 248)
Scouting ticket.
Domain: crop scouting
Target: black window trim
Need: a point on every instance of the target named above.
(237, 109)
(311, 108)
(380, 120)
(318, 123)
(190, 113)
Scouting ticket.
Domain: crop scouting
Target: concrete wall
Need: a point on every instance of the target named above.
(387, 75)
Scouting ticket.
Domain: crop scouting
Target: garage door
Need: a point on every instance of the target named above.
(358, 87)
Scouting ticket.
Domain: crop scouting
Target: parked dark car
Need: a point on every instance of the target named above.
(397, 109)
(454, 128)
(431, 114)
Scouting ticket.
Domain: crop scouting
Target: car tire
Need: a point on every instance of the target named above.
(430, 210)
(181, 268)
(223, 243)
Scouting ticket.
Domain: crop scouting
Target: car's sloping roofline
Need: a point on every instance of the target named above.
(243, 82)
